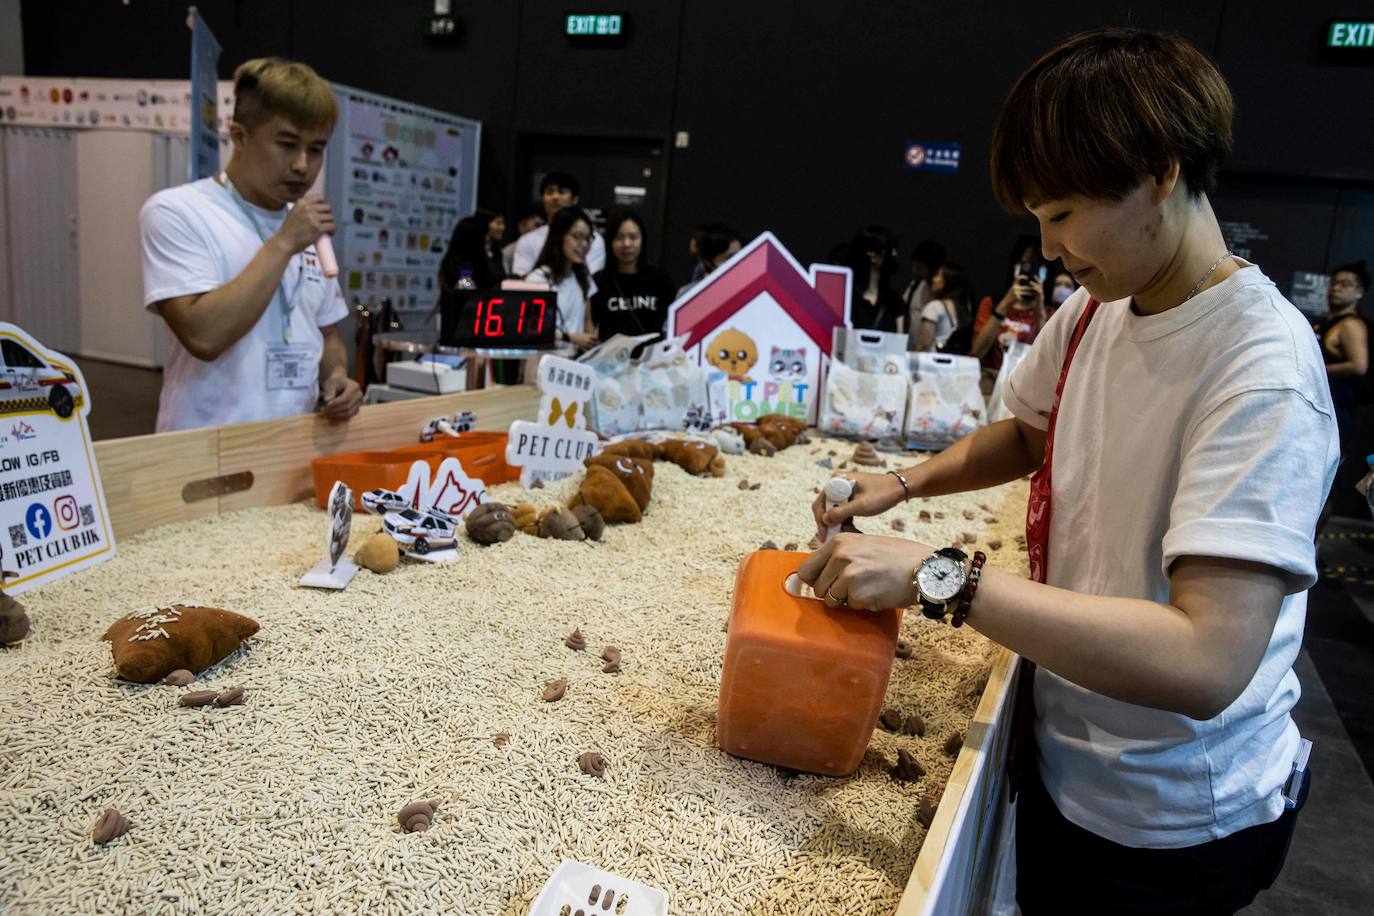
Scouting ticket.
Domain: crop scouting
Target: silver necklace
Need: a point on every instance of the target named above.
(1211, 270)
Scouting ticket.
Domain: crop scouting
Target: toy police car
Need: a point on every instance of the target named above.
(27, 383)
(381, 501)
(421, 532)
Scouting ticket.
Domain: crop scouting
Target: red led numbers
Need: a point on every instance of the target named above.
(543, 307)
(492, 327)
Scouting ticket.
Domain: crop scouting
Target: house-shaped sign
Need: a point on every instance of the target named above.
(761, 325)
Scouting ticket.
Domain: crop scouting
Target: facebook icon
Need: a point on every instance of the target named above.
(38, 521)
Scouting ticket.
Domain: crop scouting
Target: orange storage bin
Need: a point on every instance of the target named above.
(483, 455)
(802, 684)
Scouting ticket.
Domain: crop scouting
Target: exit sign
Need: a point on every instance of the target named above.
(594, 25)
(1345, 34)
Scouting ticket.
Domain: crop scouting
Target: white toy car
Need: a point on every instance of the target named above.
(381, 501)
(28, 383)
(421, 532)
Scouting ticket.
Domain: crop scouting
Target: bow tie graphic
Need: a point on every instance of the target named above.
(568, 413)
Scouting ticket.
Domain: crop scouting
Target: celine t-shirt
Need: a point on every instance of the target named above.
(631, 303)
(196, 238)
(1206, 430)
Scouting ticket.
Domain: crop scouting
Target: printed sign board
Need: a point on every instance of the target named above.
(762, 325)
(558, 441)
(53, 519)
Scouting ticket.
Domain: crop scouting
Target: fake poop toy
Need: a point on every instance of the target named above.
(149, 645)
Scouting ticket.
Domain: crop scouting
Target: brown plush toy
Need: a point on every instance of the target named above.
(14, 623)
(490, 523)
(561, 525)
(692, 455)
(593, 525)
(149, 645)
(526, 519)
(633, 448)
(796, 427)
(604, 492)
(637, 474)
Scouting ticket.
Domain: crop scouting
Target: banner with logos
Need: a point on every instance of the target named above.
(160, 106)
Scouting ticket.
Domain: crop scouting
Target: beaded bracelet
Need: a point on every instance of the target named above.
(975, 575)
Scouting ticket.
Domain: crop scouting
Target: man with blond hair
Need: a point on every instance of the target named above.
(230, 264)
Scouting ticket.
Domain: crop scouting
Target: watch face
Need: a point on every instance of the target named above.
(940, 578)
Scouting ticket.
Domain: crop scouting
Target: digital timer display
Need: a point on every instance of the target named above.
(507, 319)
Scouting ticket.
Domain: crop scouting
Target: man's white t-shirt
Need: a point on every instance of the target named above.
(939, 312)
(572, 302)
(196, 238)
(1208, 431)
(528, 246)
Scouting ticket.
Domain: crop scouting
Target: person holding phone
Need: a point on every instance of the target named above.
(230, 264)
(1019, 315)
(1177, 422)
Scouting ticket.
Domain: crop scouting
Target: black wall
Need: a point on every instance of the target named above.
(797, 111)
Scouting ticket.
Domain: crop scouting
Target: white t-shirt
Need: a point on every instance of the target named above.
(1206, 430)
(528, 246)
(572, 304)
(196, 238)
(939, 311)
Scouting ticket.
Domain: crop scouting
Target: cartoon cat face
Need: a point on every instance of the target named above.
(732, 352)
(788, 363)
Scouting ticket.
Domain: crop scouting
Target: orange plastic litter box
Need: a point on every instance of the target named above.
(802, 684)
(483, 455)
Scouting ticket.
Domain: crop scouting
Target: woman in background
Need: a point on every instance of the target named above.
(632, 296)
(562, 264)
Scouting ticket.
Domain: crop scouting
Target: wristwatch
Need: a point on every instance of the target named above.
(939, 581)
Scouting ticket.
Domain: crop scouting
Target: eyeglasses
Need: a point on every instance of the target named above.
(579, 237)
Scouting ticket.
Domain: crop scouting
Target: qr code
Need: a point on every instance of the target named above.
(87, 515)
(17, 537)
(290, 370)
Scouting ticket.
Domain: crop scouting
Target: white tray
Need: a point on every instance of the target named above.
(568, 893)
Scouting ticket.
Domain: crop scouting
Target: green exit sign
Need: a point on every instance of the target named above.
(1342, 34)
(594, 25)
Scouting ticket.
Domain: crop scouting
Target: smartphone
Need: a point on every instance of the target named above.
(1027, 271)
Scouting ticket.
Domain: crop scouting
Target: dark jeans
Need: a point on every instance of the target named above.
(1062, 868)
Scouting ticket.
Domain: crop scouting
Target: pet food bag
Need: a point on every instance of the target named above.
(617, 401)
(865, 391)
(946, 401)
(1011, 358)
(673, 388)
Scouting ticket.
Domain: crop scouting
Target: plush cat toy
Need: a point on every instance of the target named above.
(728, 440)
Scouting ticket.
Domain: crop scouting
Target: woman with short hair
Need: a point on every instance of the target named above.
(1176, 417)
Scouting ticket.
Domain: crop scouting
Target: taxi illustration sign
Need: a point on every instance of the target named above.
(53, 519)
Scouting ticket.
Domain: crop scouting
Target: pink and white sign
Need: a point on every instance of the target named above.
(762, 325)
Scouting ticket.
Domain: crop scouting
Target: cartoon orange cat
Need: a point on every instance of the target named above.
(734, 353)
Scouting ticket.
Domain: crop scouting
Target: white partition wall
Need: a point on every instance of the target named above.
(41, 215)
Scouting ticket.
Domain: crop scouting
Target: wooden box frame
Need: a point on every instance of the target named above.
(173, 477)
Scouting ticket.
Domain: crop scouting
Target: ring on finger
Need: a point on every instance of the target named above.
(831, 595)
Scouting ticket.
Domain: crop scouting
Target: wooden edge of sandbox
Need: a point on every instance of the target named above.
(146, 478)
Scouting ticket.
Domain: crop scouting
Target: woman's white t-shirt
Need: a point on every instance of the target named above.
(1206, 430)
(196, 238)
(572, 302)
(940, 312)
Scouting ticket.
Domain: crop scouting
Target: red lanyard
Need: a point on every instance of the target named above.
(1038, 505)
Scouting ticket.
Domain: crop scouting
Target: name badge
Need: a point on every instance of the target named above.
(290, 370)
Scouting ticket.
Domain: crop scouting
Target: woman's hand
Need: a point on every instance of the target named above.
(874, 494)
(864, 571)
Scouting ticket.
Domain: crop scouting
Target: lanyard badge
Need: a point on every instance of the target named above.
(288, 301)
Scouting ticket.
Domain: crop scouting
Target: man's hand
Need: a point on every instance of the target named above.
(342, 397)
(864, 571)
(306, 221)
